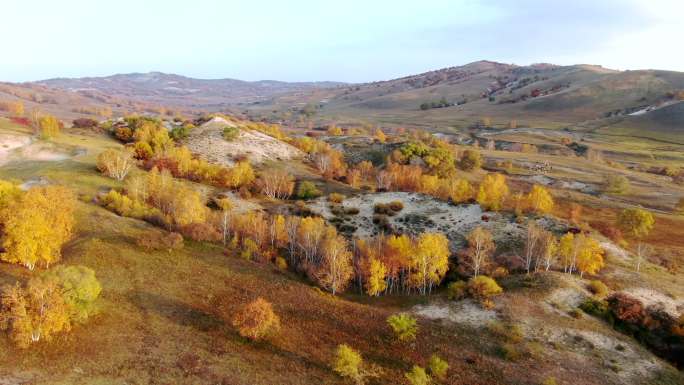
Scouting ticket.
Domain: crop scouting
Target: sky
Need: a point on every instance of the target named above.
(351, 40)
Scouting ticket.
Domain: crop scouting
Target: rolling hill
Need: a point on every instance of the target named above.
(176, 90)
(581, 97)
(542, 95)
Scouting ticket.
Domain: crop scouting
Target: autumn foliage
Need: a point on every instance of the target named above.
(36, 224)
(116, 164)
(256, 320)
(48, 304)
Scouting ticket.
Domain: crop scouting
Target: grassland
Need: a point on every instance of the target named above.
(164, 317)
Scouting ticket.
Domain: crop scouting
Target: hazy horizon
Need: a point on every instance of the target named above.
(351, 42)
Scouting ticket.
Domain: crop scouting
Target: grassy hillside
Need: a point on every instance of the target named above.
(164, 317)
(535, 96)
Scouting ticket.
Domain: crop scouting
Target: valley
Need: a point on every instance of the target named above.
(525, 228)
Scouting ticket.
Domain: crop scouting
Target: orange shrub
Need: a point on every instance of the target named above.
(256, 320)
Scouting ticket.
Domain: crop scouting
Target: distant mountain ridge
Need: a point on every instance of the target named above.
(163, 88)
(581, 96)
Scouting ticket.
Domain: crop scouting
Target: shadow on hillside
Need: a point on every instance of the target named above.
(178, 312)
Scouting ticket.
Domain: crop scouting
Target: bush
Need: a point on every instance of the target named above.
(396, 206)
(230, 133)
(404, 326)
(596, 308)
(157, 240)
(418, 376)
(85, 123)
(506, 332)
(127, 207)
(438, 367)
(79, 289)
(382, 208)
(348, 363)
(335, 198)
(351, 210)
(250, 249)
(500, 272)
(256, 320)
(598, 288)
(470, 160)
(457, 290)
(201, 232)
(509, 352)
(281, 263)
(482, 287)
(616, 184)
(307, 190)
(626, 308)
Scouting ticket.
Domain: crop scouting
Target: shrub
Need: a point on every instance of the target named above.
(396, 206)
(381, 208)
(418, 376)
(281, 263)
(48, 304)
(506, 332)
(509, 352)
(598, 288)
(256, 320)
(85, 123)
(335, 198)
(438, 367)
(348, 363)
(616, 184)
(457, 290)
(626, 308)
(182, 132)
(500, 272)
(201, 232)
(230, 133)
(250, 249)
(127, 207)
(404, 326)
(483, 287)
(79, 289)
(307, 190)
(351, 210)
(596, 308)
(470, 160)
(157, 240)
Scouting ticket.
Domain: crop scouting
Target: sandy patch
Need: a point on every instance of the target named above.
(207, 141)
(240, 205)
(561, 184)
(630, 361)
(23, 147)
(466, 312)
(422, 213)
(10, 143)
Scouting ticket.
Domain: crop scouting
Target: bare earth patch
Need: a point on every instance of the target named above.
(24, 147)
(626, 358)
(207, 141)
(466, 312)
(423, 213)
